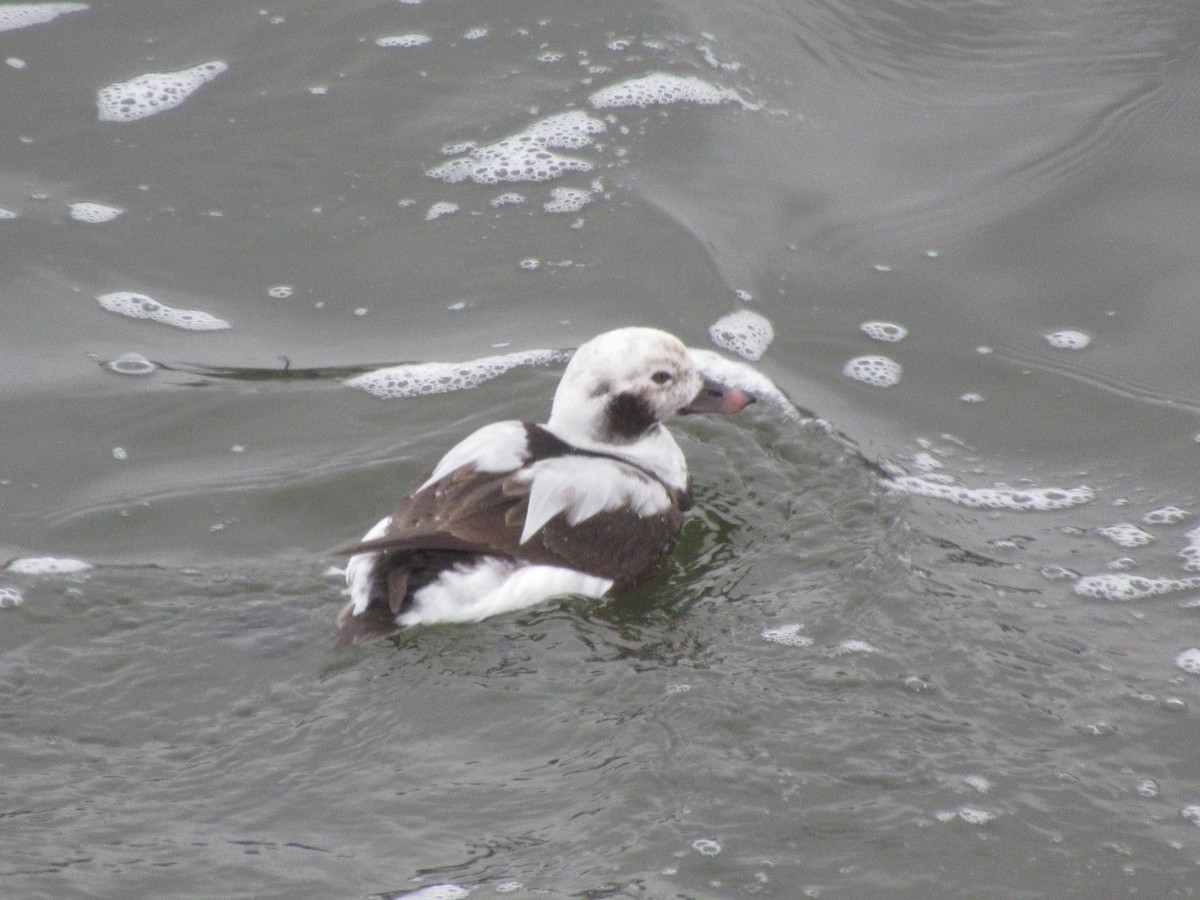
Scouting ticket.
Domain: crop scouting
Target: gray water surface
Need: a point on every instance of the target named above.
(836, 688)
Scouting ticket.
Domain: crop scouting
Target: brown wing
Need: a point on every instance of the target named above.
(478, 512)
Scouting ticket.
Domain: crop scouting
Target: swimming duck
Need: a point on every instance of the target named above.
(588, 503)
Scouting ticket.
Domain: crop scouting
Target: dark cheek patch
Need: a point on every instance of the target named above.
(627, 416)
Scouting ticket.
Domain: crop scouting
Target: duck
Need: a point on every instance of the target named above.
(588, 503)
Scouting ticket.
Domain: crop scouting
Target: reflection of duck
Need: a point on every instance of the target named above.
(515, 513)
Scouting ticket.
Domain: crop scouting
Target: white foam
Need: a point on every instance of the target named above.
(436, 892)
(512, 198)
(1167, 515)
(437, 210)
(1191, 813)
(10, 597)
(48, 565)
(94, 213)
(154, 92)
(567, 200)
(706, 847)
(131, 364)
(1126, 534)
(403, 40)
(888, 332)
(1189, 660)
(743, 377)
(660, 88)
(1068, 339)
(475, 34)
(974, 816)
(280, 291)
(419, 379)
(744, 332)
(22, 15)
(877, 371)
(1124, 587)
(788, 635)
(7, 213)
(139, 306)
(1191, 553)
(854, 645)
(1032, 499)
(527, 155)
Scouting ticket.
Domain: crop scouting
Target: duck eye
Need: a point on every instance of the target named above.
(662, 376)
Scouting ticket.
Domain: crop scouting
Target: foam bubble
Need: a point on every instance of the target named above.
(22, 15)
(660, 88)
(1068, 339)
(48, 565)
(139, 306)
(280, 291)
(1126, 534)
(10, 597)
(94, 213)
(131, 364)
(973, 816)
(403, 40)
(1189, 661)
(889, 332)
(1124, 587)
(1032, 499)
(7, 213)
(440, 209)
(508, 199)
(744, 332)
(854, 645)
(419, 379)
(154, 92)
(437, 892)
(1191, 553)
(1167, 515)
(706, 847)
(526, 155)
(877, 371)
(567, 200)
(788, 635)
(475, 34)
(1191, 813)
(735, 373)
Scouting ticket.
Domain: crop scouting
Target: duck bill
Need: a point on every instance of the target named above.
(715, 397)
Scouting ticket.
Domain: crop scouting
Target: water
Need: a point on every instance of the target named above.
(982, 685)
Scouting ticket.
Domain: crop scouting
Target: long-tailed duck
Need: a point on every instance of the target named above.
(516, 513)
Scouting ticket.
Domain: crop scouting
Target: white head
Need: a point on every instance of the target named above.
(619, 387)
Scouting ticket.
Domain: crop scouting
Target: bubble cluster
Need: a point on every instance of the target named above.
(48, 565)
(139, 306)
(745, 332)
(419, 379)
(660, 88)
(877, 371)
(437, 210)
(1031, 499)
(403, 40)
(1189, 661)
(512, 198)
(788, 635)
(280, 291)
(1126, 534)
(706, 847)
(973, 816)
(1191, 553)
(1167, 515)
(527, 155)
(154, 92)
(854, 645)
(1068, 339)
(888, 332)
(10, 597)
(1123, 587)
(22, 15)
(130, 364)
(94, 213)
(567, 200)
